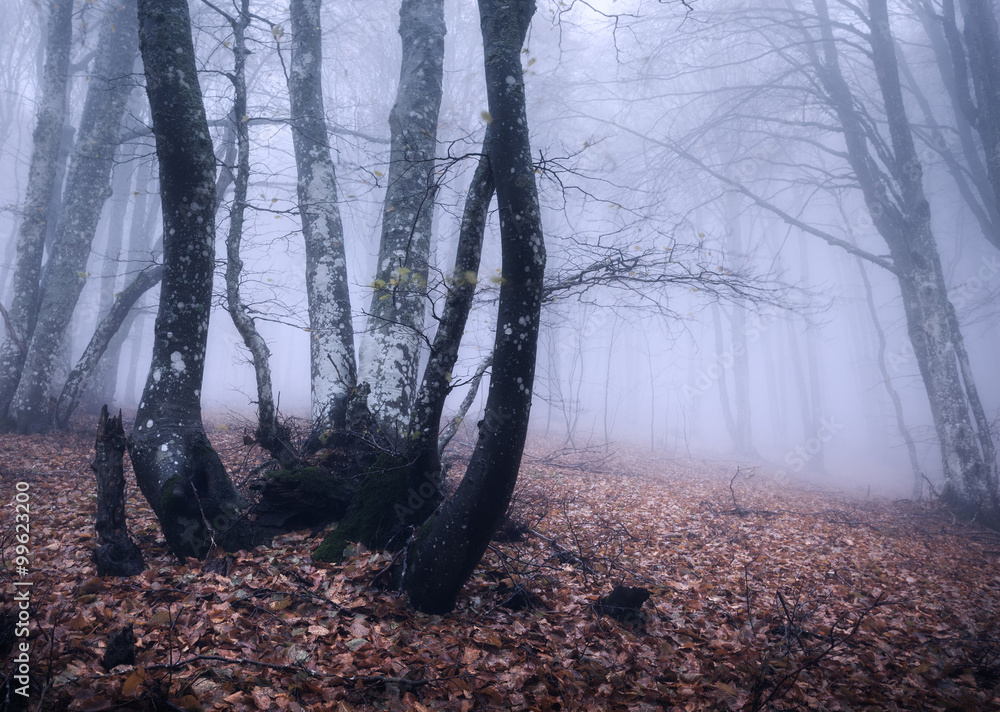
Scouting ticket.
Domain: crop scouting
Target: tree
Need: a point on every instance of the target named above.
(331, 344)
(444, 557)
(107, 328)
(87, 188)
(391, 346)
(876, 156)
(179, 473)
(976, 61)
(272, 435)
(19, 322)
(901, 213)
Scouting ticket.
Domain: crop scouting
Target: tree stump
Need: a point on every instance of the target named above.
(115, 554)
(121, 648)
(624, 604)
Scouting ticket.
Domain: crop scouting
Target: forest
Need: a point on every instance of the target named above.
(508, 355)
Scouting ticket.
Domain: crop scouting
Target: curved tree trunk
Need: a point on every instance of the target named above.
(393, 499)
(333, 370)
(425, 419)
(179, 473)
(106, 330)
(87, 187)
(391, 346)
(23, 311)
(443, 559)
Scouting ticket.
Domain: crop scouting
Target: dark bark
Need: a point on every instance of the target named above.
(445, 554)
(303, 498)
(178, 472)
(395, 496)
(87, 187)
(105, 332)
(333, 369)
(425, 417)
(116, 554)
(391, 346)
(120, 649)
(42, 177)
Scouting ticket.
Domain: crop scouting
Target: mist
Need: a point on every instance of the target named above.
(695, 139)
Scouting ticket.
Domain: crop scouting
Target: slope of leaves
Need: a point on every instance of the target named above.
(766, 595)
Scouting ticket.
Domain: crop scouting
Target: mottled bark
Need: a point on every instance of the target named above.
(179, 473)
(106, 330)
(444, 557)
(391, 345)
(42, 176)
(333, 371)
(87, 187)
(115, 554)
(901, 213)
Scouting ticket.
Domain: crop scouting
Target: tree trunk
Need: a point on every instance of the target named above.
(270, 434)
(333, 372)
(978, 60)
(391, 346)
(179, 473)
(101, 384)
(42, 175)
(106, 330)
(445, 556)
(425, 420)
(116, 554)
(451, 429)
(903, 219)
(395, 496)
(87, 187)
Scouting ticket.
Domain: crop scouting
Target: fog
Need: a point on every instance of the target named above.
(693, 138)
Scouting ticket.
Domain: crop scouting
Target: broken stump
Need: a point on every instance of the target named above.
(624, 604)
(115, 554)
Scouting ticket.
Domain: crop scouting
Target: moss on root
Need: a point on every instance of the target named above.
(375, 516)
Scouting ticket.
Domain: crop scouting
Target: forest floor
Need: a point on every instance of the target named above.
(766, 594)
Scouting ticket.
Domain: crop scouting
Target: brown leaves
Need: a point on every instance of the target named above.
(739, 604)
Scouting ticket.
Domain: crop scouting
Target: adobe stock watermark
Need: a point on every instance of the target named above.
(798, 457)
(725, 361)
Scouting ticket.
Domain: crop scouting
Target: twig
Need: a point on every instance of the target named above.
(790, 677)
